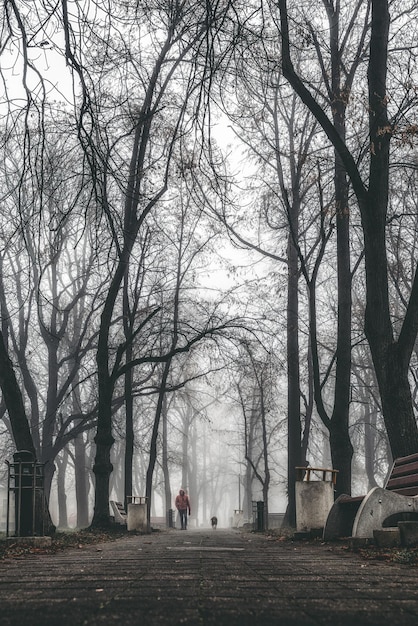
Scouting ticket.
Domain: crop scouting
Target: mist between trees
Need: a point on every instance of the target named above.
(208, 248)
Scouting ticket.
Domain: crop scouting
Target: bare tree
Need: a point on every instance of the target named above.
(391, 355)
(173, 53)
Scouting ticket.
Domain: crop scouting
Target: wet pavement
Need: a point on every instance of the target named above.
(205, 577)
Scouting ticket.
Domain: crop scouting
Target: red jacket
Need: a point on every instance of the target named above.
(183, 503)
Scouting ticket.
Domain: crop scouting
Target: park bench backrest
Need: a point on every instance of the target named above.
(403, 478)
(119, 512)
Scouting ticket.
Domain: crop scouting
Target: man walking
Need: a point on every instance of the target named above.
(182, 506)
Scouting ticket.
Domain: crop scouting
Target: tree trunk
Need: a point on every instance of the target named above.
(369, 445)
(104, 438)
(341, 456)
(62, 495)
(104, 441)
(129, 432)
(14, 402)
(204, 486)
(81, 481)
(185, 450)
(340, 443)
(247, 505)
(294, 449)
(166, 473)
(154, 437)
(397, 407)
(266, 481)
(390, 357)
(192, 473)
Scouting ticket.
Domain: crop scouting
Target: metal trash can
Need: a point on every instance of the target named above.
(259, 523)
(170, 515)
(26, 484)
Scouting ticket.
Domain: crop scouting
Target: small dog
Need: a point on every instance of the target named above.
(214, 522)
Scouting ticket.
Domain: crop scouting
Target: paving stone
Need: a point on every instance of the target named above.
(203, 578)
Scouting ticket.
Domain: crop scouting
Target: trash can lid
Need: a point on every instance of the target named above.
(24, 455)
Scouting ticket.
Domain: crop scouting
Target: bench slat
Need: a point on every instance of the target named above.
(402, 460)
(410, 480)
(403, 479)
(403, 470)
(406, 491)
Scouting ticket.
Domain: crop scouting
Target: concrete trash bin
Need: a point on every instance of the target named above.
(238, 519)
(137, 514)
(314, 497)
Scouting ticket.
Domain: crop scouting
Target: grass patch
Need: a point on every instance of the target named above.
(62, 540)
(403, 556)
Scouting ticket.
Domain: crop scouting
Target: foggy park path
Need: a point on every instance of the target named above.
(205, 577)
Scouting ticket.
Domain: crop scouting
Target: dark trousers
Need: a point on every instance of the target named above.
(183, 518)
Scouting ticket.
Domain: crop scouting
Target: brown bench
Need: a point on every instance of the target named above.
(381, 508)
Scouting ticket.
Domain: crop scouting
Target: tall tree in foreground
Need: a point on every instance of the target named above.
(338, 82)
(391, 354)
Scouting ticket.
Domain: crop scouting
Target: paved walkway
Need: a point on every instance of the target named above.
(205, 578)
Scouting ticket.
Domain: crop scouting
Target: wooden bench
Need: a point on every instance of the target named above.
(381, 508)
(119, 512)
